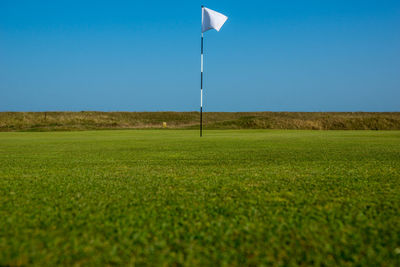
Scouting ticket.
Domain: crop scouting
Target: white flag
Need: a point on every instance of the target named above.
(212, 20)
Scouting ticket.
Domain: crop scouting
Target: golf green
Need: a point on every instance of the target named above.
(168, 197)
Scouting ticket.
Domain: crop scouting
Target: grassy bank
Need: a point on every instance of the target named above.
(89, 120)
(169, 198)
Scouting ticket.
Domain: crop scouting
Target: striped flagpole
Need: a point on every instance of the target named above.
(210, 19)
(201, 85)
(201, 89)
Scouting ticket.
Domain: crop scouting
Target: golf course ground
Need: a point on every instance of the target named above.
(230, 198)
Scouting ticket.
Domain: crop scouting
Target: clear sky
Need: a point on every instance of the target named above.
(303, 55)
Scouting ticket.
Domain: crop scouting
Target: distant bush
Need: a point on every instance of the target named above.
(92, 120)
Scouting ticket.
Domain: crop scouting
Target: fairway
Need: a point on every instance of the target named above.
(168, 197)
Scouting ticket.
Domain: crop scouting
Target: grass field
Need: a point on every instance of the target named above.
(167, 197)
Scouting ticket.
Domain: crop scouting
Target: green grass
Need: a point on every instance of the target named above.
(234, 197)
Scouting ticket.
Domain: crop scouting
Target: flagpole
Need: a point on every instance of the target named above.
(201, 84)
(210, 19)
(201, 89)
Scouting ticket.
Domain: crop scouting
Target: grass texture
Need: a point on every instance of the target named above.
(231, 198)
(91, 120)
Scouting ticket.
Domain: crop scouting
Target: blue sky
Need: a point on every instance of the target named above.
(330, 55)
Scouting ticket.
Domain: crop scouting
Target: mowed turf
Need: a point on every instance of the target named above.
(167, 197)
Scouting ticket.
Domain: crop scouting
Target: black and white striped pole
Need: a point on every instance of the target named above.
(201, 89)
(201, 83)
(210, 19)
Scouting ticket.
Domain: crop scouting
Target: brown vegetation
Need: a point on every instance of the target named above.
(89, 120)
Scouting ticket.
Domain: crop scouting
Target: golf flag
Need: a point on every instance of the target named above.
(212, 20)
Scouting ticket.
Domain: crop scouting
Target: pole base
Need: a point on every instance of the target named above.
(201, 121)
